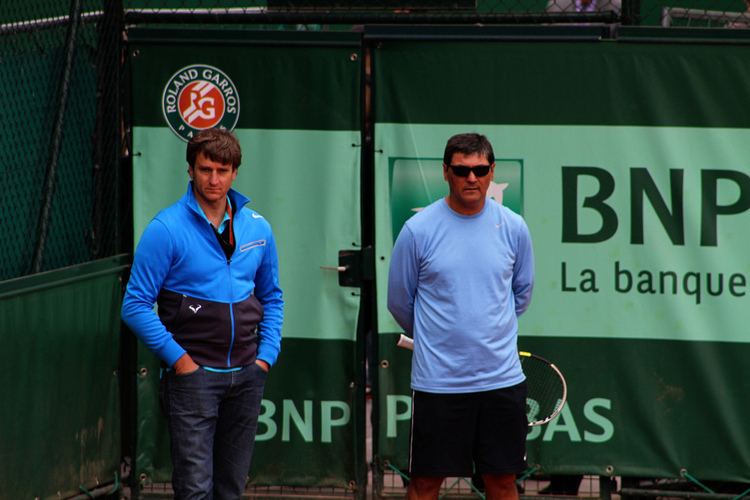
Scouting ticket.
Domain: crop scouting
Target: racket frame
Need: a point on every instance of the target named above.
(408, 343)
(564, 396)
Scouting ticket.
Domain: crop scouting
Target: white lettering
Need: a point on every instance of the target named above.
(608, 429)
(267, 411)
(393, 416)
(332, 414)
(303, 425)
(327, 420)
(563, 423)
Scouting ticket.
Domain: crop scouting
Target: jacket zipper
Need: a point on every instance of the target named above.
(231, 313)
(231, 294)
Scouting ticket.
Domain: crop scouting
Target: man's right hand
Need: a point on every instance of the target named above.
(185, 365)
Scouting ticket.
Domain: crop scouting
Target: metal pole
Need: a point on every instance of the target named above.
(266, 16)
(33, 25)
(631, 12)
(635, 492)
(605, 487)
(49, 180)
(105, 210)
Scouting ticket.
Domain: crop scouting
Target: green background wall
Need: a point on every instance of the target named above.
(654, 374)
(59, 372)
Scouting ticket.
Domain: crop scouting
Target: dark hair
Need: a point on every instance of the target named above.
(216, 144)
(468, 144)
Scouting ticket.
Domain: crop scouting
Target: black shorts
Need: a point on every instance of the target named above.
(455, 435)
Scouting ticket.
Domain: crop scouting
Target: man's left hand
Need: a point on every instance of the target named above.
(263, 365)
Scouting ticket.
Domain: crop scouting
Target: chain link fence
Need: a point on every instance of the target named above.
(59, 158)
(668, 13)
(60, 66)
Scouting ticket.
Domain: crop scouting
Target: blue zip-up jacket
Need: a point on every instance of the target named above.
(224, 312)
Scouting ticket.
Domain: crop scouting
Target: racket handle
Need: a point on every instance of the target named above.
(405, 342)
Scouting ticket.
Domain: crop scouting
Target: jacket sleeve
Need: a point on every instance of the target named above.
(152, 261)
(268, 292)
(403, 277)
(523, 270)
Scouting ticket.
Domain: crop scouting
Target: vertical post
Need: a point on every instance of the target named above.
(54, 154)
(605, 487)
(369, 296)
(366, 318)
(631, 12)
(104, 237)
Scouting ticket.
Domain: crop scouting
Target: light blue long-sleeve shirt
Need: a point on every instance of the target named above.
(457, 284)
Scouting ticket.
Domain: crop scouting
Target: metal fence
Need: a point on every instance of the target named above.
(59, 156)
(694, 13)
(62, 137)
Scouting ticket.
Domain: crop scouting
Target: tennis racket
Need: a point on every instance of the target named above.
(547, 389)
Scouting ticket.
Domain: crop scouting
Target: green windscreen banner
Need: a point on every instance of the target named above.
(630, 163)
(61, 414)
(294, 106)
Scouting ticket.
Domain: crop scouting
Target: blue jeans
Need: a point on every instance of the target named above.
(212, 419)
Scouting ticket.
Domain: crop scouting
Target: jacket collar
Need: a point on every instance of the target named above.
(237, 199)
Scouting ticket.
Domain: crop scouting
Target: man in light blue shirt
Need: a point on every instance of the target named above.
(461, 273)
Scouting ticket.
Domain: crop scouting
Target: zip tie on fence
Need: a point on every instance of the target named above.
(684, 473)
(404, 476)
(467, 481)
(528, 472)
(451, 487)
(742, 494)
(85, 491)
(397, 471)
(115, 487)
(115, 484)
(475, 489)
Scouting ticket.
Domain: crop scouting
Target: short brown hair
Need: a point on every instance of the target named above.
(216, 144)
(468, 144)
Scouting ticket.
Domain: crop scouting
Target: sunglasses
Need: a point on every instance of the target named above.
(462, 171)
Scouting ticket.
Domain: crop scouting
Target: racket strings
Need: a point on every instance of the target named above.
(546, 389)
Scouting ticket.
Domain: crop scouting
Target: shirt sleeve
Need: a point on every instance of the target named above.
(151, 264)
(268, 292)
(523, 270)
(403, 277)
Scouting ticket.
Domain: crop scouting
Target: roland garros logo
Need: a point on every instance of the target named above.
(198, 97)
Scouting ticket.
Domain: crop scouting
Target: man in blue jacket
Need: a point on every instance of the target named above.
(461, 273)
(210, 264)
